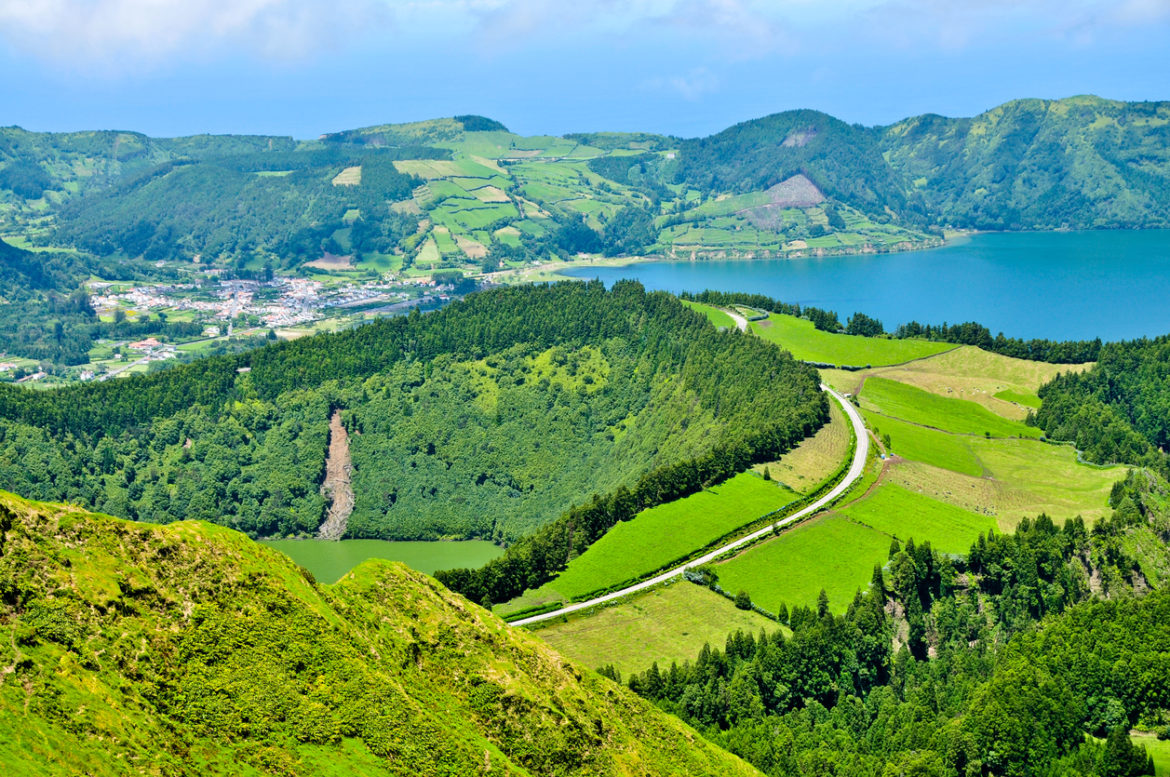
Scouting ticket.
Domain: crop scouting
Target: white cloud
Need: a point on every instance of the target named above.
(122, 34)
(690, 86)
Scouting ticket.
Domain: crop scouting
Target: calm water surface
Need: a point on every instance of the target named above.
(1060, 285)
(329, 561)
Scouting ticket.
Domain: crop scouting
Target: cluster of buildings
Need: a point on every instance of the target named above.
(280, 302)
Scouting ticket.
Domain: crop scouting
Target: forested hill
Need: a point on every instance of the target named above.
(842, 160)
(1119, 411)
(489, 418)
(190, 650)
(1082, 162)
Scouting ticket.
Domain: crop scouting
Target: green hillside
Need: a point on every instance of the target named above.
(189, 649)
(487, 419)
(1082, 162)
(466, 193)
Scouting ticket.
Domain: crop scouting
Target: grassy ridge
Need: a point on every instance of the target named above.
(190, 650)
(807, 343)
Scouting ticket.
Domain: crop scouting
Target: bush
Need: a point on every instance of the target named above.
(743, 601)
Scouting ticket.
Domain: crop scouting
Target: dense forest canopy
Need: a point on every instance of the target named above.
(488, 418)
(1119, 411)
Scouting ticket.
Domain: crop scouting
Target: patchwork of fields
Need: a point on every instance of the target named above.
(961, 463)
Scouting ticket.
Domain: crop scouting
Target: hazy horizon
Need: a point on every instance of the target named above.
(678, 67)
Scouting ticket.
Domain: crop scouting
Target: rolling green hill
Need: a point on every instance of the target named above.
(189, 649)
(487, 419)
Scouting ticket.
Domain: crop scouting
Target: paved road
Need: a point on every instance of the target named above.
(856, 468)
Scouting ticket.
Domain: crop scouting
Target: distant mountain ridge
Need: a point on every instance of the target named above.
(464, 191)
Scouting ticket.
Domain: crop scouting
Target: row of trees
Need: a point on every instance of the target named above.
(994, 663)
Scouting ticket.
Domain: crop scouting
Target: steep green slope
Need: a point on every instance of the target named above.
(486, 419)
(842, 160)
(1082, 162)
(188, 649)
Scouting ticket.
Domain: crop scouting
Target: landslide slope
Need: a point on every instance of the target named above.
(189, 649)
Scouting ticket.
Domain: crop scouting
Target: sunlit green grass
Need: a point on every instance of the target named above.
(905, 515)
(832, 553)
(962, 416)
(714, 315)
(662, 534)
(808, 343)
(930, 446)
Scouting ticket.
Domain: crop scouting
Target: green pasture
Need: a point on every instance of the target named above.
(667, 624)
(833, 553)
(931, 446)
(1020, 398)
(904, 514)
(808, 343)
(662, 534)
(962, 416)
(714, 315)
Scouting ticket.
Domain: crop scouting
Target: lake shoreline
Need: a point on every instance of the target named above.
(1057, 285)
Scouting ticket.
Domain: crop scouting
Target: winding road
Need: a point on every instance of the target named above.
(856, 468)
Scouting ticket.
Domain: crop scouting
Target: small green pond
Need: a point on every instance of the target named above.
(329, 561)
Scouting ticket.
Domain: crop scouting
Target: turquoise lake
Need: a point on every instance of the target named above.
(1060, 285)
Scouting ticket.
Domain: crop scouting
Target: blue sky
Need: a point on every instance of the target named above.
(684, 67)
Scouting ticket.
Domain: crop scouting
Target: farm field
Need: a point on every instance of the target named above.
(666, 624)
(909, 441)
(905, 514)
(714, 315)
(899, 400)
(1002, 384)
(808, 343)
(814, 460)
(831, 552)
(662, 534)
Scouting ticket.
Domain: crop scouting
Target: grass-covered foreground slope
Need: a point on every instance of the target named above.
(488, 419)
(188, 649)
